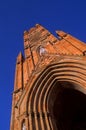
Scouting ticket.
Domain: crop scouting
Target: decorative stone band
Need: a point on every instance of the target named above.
(40, 114)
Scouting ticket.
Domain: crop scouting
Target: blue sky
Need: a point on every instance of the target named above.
(19, 15)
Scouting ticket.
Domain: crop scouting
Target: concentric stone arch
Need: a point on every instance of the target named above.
(37, 106)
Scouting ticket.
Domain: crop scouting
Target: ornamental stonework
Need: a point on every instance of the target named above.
(50, 82)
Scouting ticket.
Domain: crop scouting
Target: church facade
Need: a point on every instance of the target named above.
(50, 82)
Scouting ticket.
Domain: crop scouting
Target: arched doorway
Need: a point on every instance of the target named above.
(69, 108)
(46, 98)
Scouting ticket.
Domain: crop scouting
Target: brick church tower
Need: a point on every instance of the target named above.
(50, 83)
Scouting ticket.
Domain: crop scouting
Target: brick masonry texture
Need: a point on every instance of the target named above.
(47, 59)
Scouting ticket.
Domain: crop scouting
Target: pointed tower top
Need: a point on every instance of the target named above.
(38, 25)
(19, 58)
(61, 34)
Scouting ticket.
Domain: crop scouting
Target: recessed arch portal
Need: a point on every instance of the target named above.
(68, 106)
(55, 78)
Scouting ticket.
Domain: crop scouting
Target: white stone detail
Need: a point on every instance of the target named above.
(42, 50)
(23, 127)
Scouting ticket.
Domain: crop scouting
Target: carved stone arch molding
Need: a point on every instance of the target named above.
(58, 77)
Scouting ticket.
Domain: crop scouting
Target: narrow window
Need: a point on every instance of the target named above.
(84, 53)
(23, 126)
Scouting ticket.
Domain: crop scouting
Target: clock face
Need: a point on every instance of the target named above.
(42, 50)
